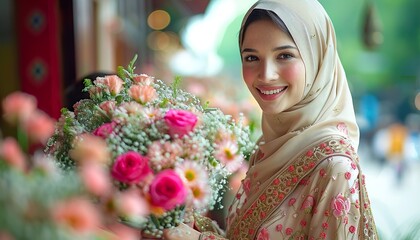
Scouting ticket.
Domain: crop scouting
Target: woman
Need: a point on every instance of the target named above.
(304, 182)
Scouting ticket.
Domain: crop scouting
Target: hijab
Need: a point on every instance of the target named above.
(326, 108)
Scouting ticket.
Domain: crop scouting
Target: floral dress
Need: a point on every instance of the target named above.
(328, 203)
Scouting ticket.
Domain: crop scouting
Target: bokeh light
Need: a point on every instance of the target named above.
(417, 101)
(158, 19)
(162, 41)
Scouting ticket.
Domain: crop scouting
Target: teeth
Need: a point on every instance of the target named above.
(271, 91)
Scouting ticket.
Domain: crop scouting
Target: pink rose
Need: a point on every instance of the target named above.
(18, 106)
(180, 122)
(130, 167)
(104, 130)
(340, 205)
(167, 190)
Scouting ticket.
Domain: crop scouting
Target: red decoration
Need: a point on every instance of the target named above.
(39, 58)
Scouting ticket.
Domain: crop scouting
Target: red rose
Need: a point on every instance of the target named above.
(104, 130)
(130, 167)
(167, 190)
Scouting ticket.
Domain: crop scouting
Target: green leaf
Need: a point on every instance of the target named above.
(163, 103)
(175, 86)
(121, 72)
(23, 139)
(88, 83)
(131, 66)
(155, 221)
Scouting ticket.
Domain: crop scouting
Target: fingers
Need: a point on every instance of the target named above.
(182, 232)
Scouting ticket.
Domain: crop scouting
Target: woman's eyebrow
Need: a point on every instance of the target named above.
(248, 50)
(274, 49)
(284, 47)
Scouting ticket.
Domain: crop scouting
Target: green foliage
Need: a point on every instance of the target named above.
(27, 199)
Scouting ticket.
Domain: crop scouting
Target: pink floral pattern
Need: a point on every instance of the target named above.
(319, 209)
(340, 205)
(264, 234)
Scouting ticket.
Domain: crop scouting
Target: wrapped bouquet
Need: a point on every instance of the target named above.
(156, 141)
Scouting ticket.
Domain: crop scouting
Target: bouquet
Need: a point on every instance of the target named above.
(38, 200)
(157, 141)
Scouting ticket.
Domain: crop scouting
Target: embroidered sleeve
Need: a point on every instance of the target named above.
(209, 229)
(211, 236)
(337, 209)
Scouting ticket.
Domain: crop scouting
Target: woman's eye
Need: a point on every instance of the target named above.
(285, 56)
(250, 58)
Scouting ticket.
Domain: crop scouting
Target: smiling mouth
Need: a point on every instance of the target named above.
(273, 91)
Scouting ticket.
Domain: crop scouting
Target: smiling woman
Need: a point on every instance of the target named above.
(304, 181)
(271, 65)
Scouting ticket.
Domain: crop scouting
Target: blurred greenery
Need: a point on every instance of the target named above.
(396, 60)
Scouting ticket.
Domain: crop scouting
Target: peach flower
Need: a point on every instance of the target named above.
(39, 126)
(95, 92)
(113, 83)
(108, 107)
(18, 105)
(132, 205)
(89, 148)
(142, 93)
(96, 179)
(143, 79)
(77, 215)
(12, 154)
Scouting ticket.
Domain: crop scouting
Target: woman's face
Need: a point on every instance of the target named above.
(272, 67)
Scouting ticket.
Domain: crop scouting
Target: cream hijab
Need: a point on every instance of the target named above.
(326, 108)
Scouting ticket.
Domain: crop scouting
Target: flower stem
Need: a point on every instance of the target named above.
(22, 139)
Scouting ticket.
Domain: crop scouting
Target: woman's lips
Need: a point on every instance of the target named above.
(271, 93)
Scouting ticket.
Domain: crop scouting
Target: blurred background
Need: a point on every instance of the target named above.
(47, 47)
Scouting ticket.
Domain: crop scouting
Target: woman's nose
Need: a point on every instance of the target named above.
(268, 71)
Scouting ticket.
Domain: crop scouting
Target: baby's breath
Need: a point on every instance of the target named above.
(142, 127)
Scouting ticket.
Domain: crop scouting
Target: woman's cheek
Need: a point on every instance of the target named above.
(293, 73)
(247, 74)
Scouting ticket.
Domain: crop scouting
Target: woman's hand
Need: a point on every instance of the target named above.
(181, 232)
